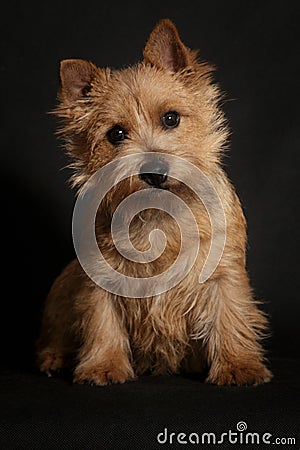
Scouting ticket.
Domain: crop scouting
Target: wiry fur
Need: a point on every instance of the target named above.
(215, 326)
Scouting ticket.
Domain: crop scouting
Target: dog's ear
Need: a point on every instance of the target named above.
(76, 76)
(164, 48)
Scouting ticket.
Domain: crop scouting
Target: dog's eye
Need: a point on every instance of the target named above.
(170, 119)
(116, 134)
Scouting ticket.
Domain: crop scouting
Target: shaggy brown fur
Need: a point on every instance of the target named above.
(214, 327)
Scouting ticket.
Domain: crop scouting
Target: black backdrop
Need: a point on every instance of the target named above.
(254, 46)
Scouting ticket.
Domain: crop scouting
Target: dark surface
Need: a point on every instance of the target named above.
(39, 412)
(255, 46)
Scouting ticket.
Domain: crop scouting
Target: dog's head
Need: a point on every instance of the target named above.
(166, 104)
(152, 125)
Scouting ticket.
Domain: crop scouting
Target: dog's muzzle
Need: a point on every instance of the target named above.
(154, 173)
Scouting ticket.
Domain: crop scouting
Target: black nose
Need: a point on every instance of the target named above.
(154, 173)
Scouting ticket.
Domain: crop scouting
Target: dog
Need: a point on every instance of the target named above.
(166, 104)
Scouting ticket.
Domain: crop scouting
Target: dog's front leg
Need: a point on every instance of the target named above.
(104, 353)
(233, 326)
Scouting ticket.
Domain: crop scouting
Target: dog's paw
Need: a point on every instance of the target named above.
(238, 375)
(104, 373)
(50, 360)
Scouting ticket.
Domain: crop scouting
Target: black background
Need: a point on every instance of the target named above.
(254, 45)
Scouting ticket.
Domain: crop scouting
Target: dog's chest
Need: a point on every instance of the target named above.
(154, 324)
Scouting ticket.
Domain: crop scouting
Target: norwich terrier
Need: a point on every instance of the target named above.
(166, 104)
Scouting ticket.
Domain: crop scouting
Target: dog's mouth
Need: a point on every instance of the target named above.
(153, 176)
